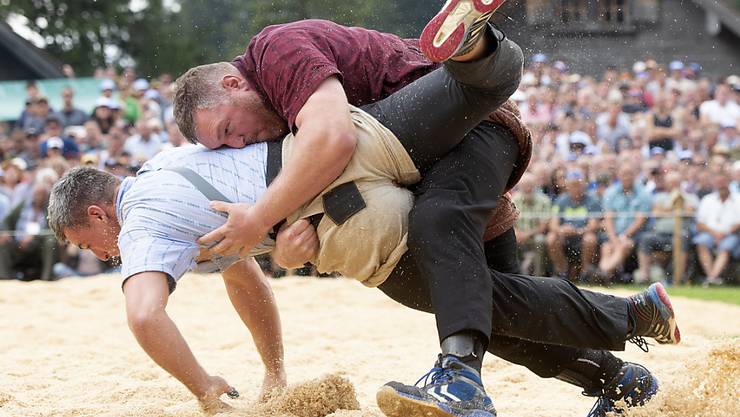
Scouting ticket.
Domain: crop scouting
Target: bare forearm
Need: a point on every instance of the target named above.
(162, 341)
(252, 298)
(635, 226)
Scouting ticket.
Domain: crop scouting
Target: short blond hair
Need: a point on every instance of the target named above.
(199, 88)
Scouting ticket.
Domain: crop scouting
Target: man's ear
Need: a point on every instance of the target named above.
(233, 82)
(95, 212)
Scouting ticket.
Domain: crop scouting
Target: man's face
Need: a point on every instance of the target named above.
(241, 120)
(99, 236)
(575, 187)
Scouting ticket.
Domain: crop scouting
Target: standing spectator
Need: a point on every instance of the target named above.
(70, 115)
(145, 143)
(32, 92)
(660, 238)
(531, 225)
(627, 207)
(661, 127)
(574, 227)
(723, 109)
(718, 224)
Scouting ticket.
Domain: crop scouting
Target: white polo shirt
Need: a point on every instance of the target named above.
(718, 215)
(162, 214)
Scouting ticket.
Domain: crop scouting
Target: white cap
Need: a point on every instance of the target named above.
(151, 94)
(675, 65)
(141, 84)
(54, 142)
(107, 84)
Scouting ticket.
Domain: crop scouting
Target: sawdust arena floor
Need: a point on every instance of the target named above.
(65, 350)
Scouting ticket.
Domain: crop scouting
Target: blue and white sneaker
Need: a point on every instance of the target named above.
(451, 389)
(634, 384)
(654, 317)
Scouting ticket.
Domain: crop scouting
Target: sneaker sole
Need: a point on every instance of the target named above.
(394, 404)
(444, 34)
(660, 297)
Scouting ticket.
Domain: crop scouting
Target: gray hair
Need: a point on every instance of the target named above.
(77, 190)
(199, 88)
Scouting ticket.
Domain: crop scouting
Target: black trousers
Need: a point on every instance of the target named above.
(536, 322)
(543, 324)
(461, 183)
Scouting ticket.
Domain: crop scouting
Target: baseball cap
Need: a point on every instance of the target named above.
(675, 65)
(55, 142)
(639, 67)
(19, 163)
(104, 102)
(560, 66)
(107, 84)
(539, 58)
(657, 151)
(151, 94)
(685, 155)
(580, 138)
(141, 84)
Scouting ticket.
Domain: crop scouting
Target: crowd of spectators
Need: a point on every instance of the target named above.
(616, 160)
(613, 155)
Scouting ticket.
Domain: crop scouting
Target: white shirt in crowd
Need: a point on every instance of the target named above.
(718, 215)
(729, 114)
(142, 149)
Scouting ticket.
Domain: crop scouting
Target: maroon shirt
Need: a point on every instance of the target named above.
(287, 63)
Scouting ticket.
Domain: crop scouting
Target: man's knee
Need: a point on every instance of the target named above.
(552, 240)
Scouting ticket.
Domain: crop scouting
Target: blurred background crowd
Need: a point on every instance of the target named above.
(617, 160)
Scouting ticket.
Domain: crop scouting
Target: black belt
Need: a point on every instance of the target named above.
(340, 203)
(274, 160)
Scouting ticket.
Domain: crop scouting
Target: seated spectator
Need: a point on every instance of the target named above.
(145, 143)
(4, 202)
(718, 227)
(532, 224)
(659, 238)
(28, 249)
(104, 114)
(613, 124)
(70, 115)
(13, 183)
(53, 130)
(627, 206)
(38, 111)
(723, 109)
(574, 227)
(570, 134)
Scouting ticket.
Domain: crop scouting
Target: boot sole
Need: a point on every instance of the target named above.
(393, 404)
(667, 313)
(444, 34)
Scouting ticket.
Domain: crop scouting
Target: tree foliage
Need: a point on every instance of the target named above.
(88, 34)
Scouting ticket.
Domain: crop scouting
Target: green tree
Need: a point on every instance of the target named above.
(75, 31)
